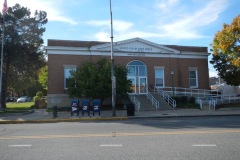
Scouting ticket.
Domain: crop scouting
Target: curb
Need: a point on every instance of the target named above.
(183, 116)
(63, 120)
(32, 111)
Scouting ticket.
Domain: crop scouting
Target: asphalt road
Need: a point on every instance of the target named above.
(200, 138)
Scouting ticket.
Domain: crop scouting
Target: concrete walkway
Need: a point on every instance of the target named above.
(41, 116)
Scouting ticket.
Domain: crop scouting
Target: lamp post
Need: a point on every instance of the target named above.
(172, 73)
(112, 67)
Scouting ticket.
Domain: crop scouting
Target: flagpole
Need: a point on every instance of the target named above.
(1, 68)
(4, 11)
(112, 68)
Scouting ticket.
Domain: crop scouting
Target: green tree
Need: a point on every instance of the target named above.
(23, 48)
(43, 77)
(226, 52)
(93, 80)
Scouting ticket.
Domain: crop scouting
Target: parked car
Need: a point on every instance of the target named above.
(11, 99)
(24, 99)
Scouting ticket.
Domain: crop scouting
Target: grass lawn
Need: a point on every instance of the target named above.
(13, 107)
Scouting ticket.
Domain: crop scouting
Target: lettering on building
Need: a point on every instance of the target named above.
(136, 49)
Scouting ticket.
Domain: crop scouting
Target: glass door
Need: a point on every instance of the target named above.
(142, 85)
(133, 86)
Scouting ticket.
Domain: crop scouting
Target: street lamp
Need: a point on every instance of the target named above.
(172, 73)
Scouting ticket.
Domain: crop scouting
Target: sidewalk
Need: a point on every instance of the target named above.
(41, 116)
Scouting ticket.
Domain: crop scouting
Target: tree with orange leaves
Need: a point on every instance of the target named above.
(226, 52)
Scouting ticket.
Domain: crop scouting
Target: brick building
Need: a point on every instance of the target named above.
(150, 65)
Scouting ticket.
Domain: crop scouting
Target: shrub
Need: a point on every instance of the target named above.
(191, 99)
(39, 101)
(39, 94)
(186, 102)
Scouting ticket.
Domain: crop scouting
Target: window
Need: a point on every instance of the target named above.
(193, 78)
(67, 74)
(136, 68)
(159, 76)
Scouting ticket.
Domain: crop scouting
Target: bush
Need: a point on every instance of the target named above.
(186, 102)
(39, 94)
(191, 99)
(39, 101)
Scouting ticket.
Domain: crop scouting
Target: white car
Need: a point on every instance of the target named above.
(24, 99)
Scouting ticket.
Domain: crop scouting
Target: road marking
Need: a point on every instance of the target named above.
(119, 134)
(20, 145)
(204, 145)
(110, 145)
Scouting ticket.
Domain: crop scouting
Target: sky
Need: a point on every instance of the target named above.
(173, 22)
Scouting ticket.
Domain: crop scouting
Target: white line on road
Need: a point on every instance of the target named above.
(204, 145)
(20, 145)
(111, 145)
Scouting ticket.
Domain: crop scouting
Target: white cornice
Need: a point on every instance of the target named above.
(67, 51)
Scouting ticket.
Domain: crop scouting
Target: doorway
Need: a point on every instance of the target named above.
(137, 74)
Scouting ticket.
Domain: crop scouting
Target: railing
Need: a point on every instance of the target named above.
(191, 92)
(230, 97)
(200, 102)
(212, 104)
(134, 100)
(167, 98)
(155, 103)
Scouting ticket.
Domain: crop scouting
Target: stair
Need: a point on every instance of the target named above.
(146, 105)
(163, 105)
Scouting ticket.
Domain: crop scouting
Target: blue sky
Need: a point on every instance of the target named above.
(176, 22)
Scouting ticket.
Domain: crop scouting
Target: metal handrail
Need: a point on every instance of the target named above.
(154, 101)
(230, 97)
(134, 100)
(212, 104)
(167, 98)
(200, 102)
(192, 91)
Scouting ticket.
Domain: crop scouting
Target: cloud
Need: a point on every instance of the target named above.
(166, 4)
(105, 36)
(187, 26)
(118, 25)
(213, 73)
(52, 8)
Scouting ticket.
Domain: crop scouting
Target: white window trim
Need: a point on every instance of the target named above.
(73, 67)
(159, 67)
(196, 71)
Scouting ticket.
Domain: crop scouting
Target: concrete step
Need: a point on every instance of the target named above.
(146, 105)
(163, 105)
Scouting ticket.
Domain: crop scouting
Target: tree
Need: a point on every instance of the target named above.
(43, 77)
(93, 80)
(23, 47)
(226, 52)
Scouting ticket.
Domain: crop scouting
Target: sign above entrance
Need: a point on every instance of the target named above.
(134, 49)
(135, 45)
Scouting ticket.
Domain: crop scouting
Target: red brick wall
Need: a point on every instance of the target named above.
(180, 67)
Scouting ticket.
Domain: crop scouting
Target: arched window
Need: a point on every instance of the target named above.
(137, 68)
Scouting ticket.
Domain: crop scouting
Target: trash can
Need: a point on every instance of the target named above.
(130, 109)
(54, 111)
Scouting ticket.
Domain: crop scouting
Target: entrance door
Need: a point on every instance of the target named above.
(133, 86)
(142, 85)
(137, 74)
